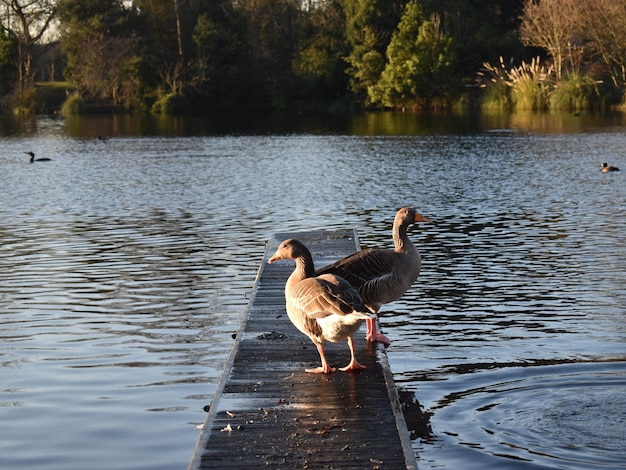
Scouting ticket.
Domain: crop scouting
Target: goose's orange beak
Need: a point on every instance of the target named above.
(420, 218)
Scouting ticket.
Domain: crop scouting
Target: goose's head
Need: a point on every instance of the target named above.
(289, 249)
(407, 216)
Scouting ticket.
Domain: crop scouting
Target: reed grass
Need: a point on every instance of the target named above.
(534, 86)
(494, 80)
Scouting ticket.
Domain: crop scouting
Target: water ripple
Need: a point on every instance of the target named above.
(557, 416)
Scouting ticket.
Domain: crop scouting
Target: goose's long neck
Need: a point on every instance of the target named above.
(401, 241)
(304, 268)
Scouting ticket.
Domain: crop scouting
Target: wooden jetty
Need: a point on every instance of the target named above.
(268, 413)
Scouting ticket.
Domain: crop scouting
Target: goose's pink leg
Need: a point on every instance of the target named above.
(354, 365)
(372, 335)
(325, 369)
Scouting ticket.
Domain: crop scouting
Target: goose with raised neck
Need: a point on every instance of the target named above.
(382, 275)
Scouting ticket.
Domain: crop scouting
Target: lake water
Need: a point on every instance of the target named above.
(125, 266)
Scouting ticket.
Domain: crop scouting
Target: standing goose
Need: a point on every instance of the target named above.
(382, 276)
(325, 307)
(33, 159)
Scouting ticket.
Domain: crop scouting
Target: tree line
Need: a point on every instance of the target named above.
(208, 55)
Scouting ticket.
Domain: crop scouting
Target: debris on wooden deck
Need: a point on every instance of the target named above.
(268, 413)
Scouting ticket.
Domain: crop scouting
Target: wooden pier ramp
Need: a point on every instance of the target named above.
(268, 413)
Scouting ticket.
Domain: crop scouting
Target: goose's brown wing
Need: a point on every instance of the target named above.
(319, 297)
(362, 267)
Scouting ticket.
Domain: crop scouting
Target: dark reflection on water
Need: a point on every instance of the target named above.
(125, 265)
(366, 124)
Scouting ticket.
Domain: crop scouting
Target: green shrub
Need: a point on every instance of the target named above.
(575, 92)
(497, 98)
(73, 105)
(171, 103)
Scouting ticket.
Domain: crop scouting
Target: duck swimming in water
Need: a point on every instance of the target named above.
(606, 168)
(33, 159)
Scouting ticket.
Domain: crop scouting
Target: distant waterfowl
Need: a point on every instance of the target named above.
(382, 276)
(325, 308)
(606, 168)
(33, 159)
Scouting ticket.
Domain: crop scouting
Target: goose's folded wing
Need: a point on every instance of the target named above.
(320, 297)
(362, 267)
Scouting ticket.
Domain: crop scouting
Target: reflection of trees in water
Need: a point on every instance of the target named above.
(417, 420)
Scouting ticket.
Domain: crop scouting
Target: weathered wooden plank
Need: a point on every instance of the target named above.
(268, 413)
